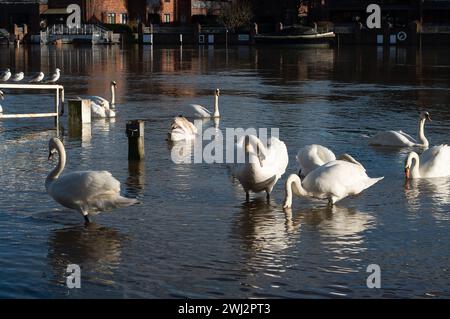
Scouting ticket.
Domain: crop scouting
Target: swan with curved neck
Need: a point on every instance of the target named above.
(401, 139)
(202, 112)
(333, 181)
(101, 107)
(87, 192)
(434, 162)
(263, 166)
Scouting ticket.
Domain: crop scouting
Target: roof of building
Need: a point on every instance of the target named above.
(55, 11)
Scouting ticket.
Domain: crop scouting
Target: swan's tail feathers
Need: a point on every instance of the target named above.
(373, 181)
(121, 202)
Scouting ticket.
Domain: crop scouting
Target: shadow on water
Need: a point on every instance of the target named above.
(95, 248)
(135, 182)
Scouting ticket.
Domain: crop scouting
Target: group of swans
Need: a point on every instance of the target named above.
(326, 177)
(17, 77)
(433, 162)
(87, 192)
(182, 129)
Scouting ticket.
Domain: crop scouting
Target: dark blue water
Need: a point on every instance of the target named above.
(193, 235)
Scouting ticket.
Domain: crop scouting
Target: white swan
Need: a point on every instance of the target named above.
(434, 162)
(4, 77)
(333, 181)
(2, 97)
(101, 107)
(87, 192)
(182, 130)
(55, 76)
(18, 77)
(263, 166)
(312, 156)
(37, 78)
(202, 112)
(401, 139)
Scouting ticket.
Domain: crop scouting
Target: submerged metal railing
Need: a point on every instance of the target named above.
(59, 98)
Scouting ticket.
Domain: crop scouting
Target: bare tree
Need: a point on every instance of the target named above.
(236, 14)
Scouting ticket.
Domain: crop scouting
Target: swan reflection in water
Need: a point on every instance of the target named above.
(429, 194)
(268, 231)
(341, 236)
(96, 249)
(265, 232)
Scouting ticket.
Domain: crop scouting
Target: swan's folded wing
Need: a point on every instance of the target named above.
(277, 155)
(99, 100)
(435, 161)
(86, 184)
(200, 110)
(97, 110)
(409, 137)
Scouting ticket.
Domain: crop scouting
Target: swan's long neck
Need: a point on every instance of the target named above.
(216, 106)
(260, 150)
(422, 137)
(293, 185)
(113, 96)
(54, 174)
(414, 163)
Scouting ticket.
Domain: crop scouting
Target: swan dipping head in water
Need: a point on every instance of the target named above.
(87, 192)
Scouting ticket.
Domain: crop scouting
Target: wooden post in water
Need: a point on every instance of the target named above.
(79, 111)
(135, 134)
(79, 118)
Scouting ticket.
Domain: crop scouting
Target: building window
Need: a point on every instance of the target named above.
(111, 18)
(123, 18)
(167, 18)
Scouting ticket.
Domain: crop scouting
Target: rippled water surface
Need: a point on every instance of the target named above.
(193, 235)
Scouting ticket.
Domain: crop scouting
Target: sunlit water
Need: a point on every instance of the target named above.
(193, 235)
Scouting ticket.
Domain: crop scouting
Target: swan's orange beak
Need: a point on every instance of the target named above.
(407, 172)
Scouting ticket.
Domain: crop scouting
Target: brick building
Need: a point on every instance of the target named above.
(160, 11)
(92, 11)
(172, 11)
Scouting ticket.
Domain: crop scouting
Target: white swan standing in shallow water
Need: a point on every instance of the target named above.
(263, 165)
(182, 130)
(434, 162)
(401, 139)
(202, 112)
(87, 192)
(333, 181)
(312, 156)
(101, 107)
